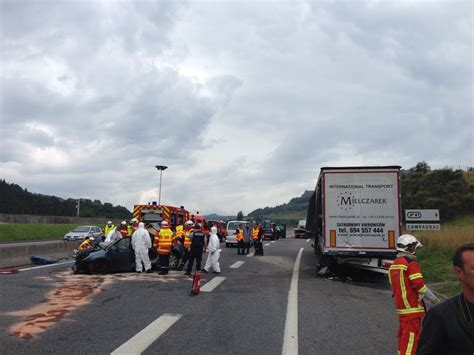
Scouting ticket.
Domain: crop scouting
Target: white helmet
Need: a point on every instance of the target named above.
(189, 223)
(109, 222)
(164, 224)
(133, 220)
(405, 241)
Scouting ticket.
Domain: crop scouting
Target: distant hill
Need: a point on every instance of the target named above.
(288, 213)
(16, 200)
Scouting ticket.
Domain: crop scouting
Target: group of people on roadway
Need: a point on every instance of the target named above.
(245, 235)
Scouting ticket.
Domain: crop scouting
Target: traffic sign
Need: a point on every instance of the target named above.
(421, 215)
(423, 226)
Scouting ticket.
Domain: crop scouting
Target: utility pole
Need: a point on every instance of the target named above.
(78, 206)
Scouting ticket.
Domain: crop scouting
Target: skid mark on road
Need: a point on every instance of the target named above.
(69, 293)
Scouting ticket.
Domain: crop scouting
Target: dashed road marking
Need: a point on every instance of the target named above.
(211, 285)
(307, 240)
(142, 340)
(237, 264)
(266, 245)
(272, 241)
(290, 339)
(250, 255)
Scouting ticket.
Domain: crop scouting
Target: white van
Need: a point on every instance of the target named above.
(232, 227)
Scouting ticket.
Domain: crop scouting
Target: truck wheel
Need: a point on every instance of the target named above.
(99, 267)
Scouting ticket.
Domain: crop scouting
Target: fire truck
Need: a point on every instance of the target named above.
(153, 214)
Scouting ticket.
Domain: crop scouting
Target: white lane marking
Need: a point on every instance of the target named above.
(272, 241)
(266, 245)
(237, 264)
(142, 340)
(307, 240)
(290, 340)
(211, 285)
(250, 255)
(43, 266)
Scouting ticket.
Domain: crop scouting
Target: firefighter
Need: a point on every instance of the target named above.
(163, 244)
(239, 236)
(108, 227)
(180, 233)
(257, 239)
(409, 289)
(87, 243)
(132, 227)
(123, 229)
(186, 243)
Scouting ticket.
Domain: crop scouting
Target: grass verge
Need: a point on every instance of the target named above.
(20, 232)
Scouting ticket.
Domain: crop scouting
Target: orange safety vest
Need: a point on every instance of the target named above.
(239, 236)
(179, 232)
(164, 241)
(255, 233)
(407, 283)
(124, 232)
(187, 240)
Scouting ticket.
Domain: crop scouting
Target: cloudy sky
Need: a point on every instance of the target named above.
(243, 101)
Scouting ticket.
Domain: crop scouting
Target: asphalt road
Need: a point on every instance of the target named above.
(50, 310)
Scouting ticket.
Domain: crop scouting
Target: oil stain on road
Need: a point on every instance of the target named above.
(69, 293)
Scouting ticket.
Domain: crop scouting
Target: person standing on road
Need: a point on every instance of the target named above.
(409, 289)
(214, 253)
(141, 242)
(448, 328)
(132, 227)
(186, 243)
(108, 227)
(123, 229)
(164, 242)
(247, 238)
(255, 231)
(239, 237)
(197, 246)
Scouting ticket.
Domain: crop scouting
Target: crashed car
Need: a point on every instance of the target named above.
(118, 257)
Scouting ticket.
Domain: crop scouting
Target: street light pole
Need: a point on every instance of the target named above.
(160, 168)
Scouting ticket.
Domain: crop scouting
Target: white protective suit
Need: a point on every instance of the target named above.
(141, 242)
(112, 236)
(214, 252)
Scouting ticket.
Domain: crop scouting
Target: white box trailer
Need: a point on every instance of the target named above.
(354, 216)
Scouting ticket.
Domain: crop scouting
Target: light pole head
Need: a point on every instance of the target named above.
(161, 167)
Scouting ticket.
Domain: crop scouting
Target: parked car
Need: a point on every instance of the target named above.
(81, 232)
(118, 257)
(269, 230)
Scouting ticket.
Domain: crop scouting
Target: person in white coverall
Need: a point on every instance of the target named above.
(214, 252)
(141, 242)
(113, 236)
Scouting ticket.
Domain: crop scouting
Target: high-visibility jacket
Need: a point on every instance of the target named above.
(407, 283)
(164, 241)
(130, 230)
(85, 244)
(179, 231)
(255, 233)
(239, 235)
(187, 240)
(108, 228)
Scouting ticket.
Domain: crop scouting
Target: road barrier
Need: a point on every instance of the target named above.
(18, 254)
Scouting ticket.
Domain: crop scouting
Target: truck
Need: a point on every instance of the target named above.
(300, 229)
(354, 216)
(153, 214)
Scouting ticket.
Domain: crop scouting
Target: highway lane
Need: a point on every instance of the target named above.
(246, 313)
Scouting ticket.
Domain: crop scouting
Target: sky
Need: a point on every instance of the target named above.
(243, 101)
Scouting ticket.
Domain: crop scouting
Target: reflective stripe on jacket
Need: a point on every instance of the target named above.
(107, 229)
(239, 235)
(407, 283)
(164, 241)
(179, 231)
(187, 240)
